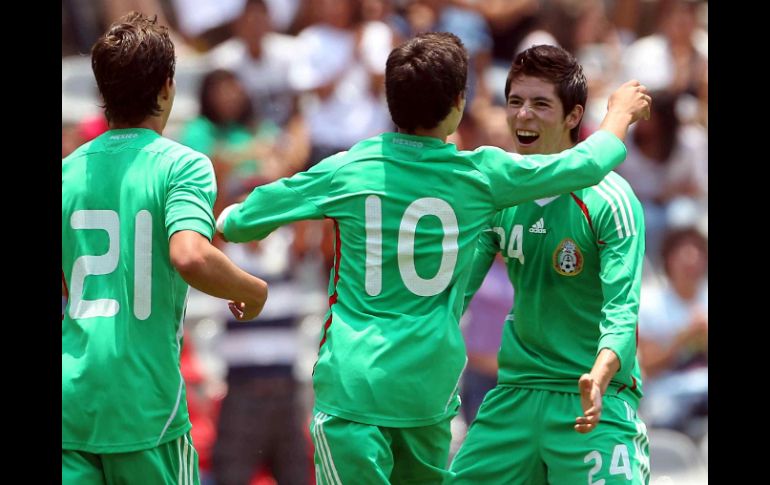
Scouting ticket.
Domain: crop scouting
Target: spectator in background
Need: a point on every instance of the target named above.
(598, 47)
(472, 29)
(509, 22)
(261, 424)
(241, 147)
(676, 57)
(260, 58)
(667, 166)
(673, 335)
(340, 65)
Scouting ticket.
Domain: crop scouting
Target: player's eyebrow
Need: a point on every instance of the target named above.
(535, 99)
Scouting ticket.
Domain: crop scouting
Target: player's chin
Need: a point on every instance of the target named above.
(529, 149)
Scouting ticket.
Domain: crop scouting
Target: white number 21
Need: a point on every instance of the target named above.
(108, 220)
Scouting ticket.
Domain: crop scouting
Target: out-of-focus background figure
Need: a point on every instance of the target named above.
(267, 88)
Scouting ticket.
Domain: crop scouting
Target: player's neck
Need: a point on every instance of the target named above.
(154, 123)
(445, 127)
(434, 133)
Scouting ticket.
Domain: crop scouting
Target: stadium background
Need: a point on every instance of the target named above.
(269, 88)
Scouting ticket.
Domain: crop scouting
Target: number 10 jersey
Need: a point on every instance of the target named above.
(407, 211)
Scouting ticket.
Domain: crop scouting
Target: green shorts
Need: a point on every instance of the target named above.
(526, 436)
(174, 462)
(347, 452)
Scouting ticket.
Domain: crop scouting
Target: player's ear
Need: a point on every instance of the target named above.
(573, 117)
(166, 89)
(460, 101)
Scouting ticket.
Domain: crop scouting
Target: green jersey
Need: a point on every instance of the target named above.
(123, 195)
(407, 211)
(575, 262)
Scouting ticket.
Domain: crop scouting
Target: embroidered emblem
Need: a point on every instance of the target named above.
(567, 258)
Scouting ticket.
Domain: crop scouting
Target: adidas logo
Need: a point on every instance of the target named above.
(538, 227)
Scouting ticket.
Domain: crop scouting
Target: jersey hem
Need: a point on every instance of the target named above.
(388, 422)
(126, 448)
(612, 391)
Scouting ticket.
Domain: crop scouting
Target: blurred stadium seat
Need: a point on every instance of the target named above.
(675, 459)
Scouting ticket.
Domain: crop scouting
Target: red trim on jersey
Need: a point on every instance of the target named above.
(64, 282)
(637, 334)
(633, 385)
(333, 297)
(584, 209)
(66, 290)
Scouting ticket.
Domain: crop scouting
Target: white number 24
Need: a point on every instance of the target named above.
(620, 464)
(514, 243)
(108, 220)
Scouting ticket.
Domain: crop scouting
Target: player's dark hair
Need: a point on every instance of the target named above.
(423, 78)
(558, 67)
(131, 63)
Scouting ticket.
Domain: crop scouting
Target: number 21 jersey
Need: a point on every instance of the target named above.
(123, 195)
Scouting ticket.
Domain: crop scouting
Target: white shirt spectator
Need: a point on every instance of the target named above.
(266, 79)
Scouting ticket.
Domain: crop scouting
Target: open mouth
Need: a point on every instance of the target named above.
(526, 137)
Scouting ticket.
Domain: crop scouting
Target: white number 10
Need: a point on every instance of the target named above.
(427, 206)
(108, 220)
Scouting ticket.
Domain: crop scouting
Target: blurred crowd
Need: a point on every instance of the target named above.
(267, 88)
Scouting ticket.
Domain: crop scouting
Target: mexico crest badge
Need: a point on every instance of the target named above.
(567, 258)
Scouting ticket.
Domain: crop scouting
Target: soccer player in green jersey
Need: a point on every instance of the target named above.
(408, 209)
(136, 227)
(569, 344)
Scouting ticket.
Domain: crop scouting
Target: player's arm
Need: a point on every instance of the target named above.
(515, 178)
(620, 231)
(207, 269)
(279, 203)
(190, 225)
(486, 248)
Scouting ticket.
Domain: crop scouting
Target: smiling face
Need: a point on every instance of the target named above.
(536, 118)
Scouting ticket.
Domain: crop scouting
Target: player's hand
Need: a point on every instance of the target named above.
(591, 401)
(631, 99)
(242, 311)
